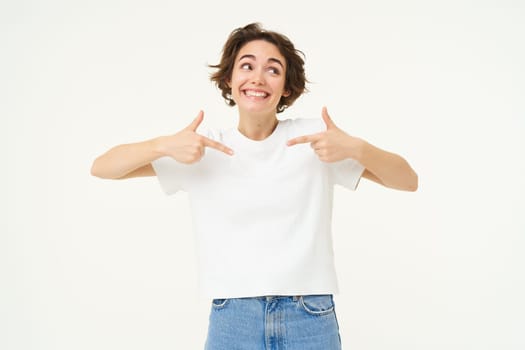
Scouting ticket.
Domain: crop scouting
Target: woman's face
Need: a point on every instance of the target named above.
(258, 78)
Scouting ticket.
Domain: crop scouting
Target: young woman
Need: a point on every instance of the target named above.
(261, 197)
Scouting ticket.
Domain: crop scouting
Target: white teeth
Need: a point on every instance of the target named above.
(255, 93)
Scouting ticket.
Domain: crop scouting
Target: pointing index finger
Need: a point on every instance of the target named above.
(303, 139)
(217, 145)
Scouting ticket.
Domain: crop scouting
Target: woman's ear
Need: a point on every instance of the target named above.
(286, 93)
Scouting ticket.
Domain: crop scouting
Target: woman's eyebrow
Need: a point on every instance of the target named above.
(271, 59)
(276, 61)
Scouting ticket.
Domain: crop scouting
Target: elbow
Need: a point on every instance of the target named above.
(412, 188)
(97, 170)
(413, 184)
(408, 183)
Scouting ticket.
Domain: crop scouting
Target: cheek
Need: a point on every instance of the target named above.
(235, 80)
(281, 86)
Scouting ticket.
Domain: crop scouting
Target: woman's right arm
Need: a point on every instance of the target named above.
(129, 160)
(134, 159)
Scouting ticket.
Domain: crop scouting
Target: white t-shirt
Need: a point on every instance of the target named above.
(262, 217)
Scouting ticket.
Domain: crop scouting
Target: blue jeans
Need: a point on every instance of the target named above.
(274, 323)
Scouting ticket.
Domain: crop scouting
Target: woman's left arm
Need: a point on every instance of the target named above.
(385, 168)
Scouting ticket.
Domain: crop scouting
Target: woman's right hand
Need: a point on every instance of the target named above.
(187, 146)
(134, 159)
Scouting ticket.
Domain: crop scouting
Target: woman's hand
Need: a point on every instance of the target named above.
(134, 159)
(385, 168)
(187, 146)
(333, 144)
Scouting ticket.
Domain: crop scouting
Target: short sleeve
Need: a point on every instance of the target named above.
(170, 173)
(174, 176)
(347, 173)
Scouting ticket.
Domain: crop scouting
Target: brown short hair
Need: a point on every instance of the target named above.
(295, 79)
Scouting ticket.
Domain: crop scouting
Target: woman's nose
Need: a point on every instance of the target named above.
(258, 77)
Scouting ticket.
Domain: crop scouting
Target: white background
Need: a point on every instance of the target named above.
(99, 264)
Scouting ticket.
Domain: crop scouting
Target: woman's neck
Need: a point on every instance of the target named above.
(257, 127)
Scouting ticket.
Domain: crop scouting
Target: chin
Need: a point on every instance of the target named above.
(258, 110)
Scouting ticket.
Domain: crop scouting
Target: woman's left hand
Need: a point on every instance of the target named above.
(333, 144)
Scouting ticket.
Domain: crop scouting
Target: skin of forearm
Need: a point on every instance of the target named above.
(123, 159)
(391, 169)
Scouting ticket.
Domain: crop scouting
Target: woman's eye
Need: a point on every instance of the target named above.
(246, 66)
(273, 70)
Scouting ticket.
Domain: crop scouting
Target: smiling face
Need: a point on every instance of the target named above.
(258, 78)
